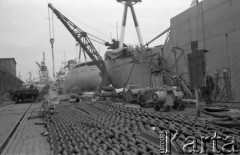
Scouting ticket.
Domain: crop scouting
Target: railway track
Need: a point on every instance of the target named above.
(4, 143)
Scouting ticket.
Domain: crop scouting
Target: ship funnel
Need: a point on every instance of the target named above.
(194, 2)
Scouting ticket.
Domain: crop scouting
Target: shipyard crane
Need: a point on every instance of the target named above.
(83, 40)
(43, 72)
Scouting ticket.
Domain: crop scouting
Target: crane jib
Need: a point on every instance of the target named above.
(82, 38)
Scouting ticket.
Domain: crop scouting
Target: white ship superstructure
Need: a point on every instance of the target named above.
(83, 76)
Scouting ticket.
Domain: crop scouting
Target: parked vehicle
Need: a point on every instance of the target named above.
(26, 92)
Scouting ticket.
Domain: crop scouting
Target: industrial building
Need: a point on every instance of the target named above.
(8, 79)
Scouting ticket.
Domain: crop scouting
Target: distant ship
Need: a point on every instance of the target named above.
(60, 81)
(81, 77)
(213, 26)
(84, 76)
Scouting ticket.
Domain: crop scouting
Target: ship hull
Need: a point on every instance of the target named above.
(125, 71)
(84, 78)
(213, 26)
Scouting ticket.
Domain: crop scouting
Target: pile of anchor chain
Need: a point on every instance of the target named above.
(105, 128)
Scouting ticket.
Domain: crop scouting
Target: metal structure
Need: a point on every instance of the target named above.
(129, 3)
(43, 72)
(158, 36)
(82, 38)
(52, 41)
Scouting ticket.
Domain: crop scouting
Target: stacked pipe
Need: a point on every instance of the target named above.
(105, 128)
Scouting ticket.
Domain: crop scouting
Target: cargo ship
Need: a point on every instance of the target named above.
(60, 81)
(79, 77)
(134, 66)
(212, 26)
(83, 77)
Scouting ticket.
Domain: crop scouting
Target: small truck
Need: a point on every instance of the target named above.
(26, 92)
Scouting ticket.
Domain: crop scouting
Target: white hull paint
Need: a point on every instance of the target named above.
(83, 78)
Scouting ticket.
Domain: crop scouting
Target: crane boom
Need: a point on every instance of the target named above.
(82, 38)
(38, 64)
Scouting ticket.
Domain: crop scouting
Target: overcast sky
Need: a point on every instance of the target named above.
(24, 32)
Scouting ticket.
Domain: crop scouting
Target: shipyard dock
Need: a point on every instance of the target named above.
(94, 126)
(20, 135)
(176, 98)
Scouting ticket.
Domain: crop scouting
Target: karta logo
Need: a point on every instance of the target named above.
(197, 145)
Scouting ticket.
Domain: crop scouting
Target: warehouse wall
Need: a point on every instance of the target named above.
(8, 80)
(9, 64)
(215, 24)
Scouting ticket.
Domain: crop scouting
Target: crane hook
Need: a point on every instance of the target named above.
(52, 41)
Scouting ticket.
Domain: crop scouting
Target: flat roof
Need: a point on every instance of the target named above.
(9, 59)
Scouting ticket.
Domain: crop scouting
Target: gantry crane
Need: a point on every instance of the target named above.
(83, 40)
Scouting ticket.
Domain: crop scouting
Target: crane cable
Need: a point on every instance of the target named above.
(52, 24)
(97, 41)
(90, 27)
(94, 36)
(49, 24)
(97, 38)
(51, 35)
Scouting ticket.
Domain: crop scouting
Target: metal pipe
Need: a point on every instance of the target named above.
(165, 31)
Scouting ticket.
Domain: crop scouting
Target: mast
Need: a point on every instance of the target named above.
(129, 3)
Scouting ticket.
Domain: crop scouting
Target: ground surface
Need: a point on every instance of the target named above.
(9, 116)
(27, 138)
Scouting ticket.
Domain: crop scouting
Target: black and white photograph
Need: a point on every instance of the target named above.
(119, 77)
